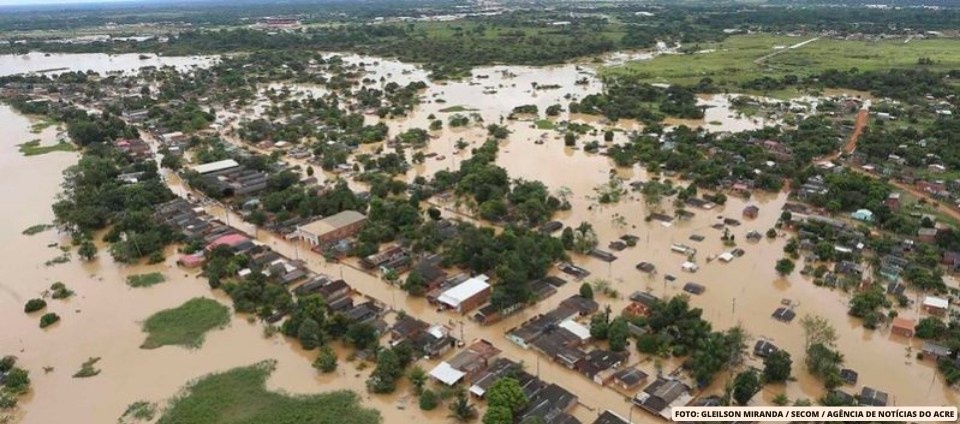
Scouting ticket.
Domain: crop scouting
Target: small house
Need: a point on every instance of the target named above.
(872, 397)
(893, 201)
(550, 404)
(934, 351)
(581, 305)
(927, 235)
(904, 327)
(751, 211)
(629, 378)
(659, 396)
(610, 417)
(849, 376)
(600, 365)
(936, 305)
(466, 296)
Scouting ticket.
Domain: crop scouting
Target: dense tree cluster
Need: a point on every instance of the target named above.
(677, 329)
(625, 98)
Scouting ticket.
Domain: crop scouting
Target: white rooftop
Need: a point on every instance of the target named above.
(458, 294)
(726, 256)
(576, 328)
(446, 374)
(216, 166)
(936, 302)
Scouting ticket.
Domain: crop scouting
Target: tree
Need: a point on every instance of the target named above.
(745, 385)
(777, 367)
(785, 267)
(415, 284)
(309, 334)
(34, 305)
(567, 238)
(586, 291)
(817, 330)
(608, 136)
(309, 171)
(498, 415)
(87, 250)
(600, 326)
(361, 335)
(428, 400)
(17, 381)
(506, 392)
(931, 328)
(584, 238)
(384, 377)
(461, 409)
(570, 139)
(49, 319)
(327, 360)
(617, 334)
(434, 213)
(825, 363)
(7, 363)
(418, 377)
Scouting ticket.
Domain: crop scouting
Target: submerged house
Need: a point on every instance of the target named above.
(659, 396)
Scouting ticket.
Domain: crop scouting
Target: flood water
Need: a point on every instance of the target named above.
(103, 320)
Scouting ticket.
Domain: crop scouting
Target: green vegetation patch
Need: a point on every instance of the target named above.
(60, 291)
(457, 108)
(33, 148)
(139, 411)
(545, 124)
(240, 396)
(733, 61)
(38, 127)
(36, 229)
(186, 324)
(88, 369)
(49, 319)
(145, 280)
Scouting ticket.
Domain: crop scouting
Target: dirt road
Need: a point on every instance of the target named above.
(795, 46)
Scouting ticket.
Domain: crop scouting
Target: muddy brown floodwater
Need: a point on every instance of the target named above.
(104, 318)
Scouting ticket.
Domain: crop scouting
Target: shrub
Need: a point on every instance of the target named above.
(34, 305)
(428, 400)
(49, 319)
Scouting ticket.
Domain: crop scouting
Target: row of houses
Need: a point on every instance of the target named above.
(479, 368)
(192, 221)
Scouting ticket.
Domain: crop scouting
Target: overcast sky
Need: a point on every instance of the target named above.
(31, 2)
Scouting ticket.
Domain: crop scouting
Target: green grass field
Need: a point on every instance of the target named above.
(186, 324)
(239, 396)
(732, 61)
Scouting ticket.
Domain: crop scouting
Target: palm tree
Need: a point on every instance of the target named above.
(461, 409)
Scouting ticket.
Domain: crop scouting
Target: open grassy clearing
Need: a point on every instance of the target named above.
(239, 396)
(731, 61)
(186, 324)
